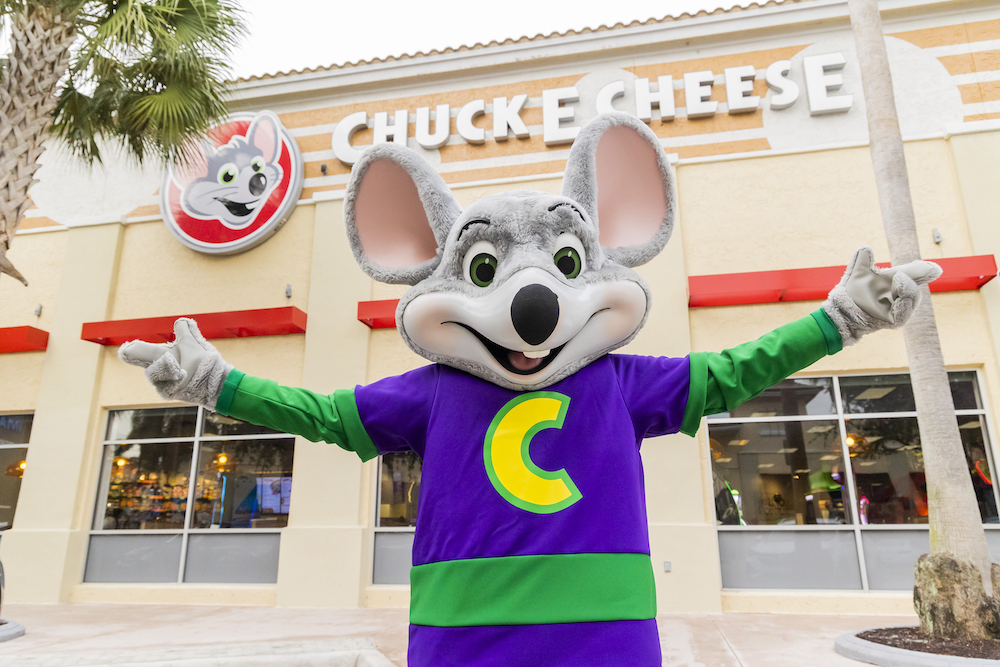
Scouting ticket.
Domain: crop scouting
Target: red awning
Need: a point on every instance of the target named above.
(23, 339)
(733, 289)
(226, 324)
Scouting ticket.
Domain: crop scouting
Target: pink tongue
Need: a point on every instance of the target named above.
(523, 363)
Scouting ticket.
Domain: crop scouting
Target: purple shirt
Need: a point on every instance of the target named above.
(444, 415)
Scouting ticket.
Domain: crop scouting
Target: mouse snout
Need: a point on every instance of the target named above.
(257, 184)
(535, 313)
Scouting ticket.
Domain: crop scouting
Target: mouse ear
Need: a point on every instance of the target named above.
(263, 133)
(398, 212)
(619, 172)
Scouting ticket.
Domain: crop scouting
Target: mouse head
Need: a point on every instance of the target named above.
(231, 183)
(522, 288)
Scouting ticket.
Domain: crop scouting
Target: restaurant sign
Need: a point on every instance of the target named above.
(236, 188)
(822, 74)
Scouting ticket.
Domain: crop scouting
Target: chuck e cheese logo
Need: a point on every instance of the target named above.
(237, 187)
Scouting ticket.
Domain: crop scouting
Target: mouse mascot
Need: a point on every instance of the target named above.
(532, 546)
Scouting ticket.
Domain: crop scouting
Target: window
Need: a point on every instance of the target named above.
(187, 495)
(840, 454)
(15, 430)
(398, 491)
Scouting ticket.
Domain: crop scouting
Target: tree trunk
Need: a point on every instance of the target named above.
(960, 560)
(40, 42)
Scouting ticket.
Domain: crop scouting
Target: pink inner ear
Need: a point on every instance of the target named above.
(264, 135)
(390, 218)
(196, 166)
(631, 201)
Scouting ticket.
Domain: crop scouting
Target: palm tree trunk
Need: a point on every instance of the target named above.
(40, 43)
(956, 530)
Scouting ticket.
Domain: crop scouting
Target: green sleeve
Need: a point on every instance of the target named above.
(721, 381)
(330, 418)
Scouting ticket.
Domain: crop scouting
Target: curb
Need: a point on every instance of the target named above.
(853, 647)
(10, 630)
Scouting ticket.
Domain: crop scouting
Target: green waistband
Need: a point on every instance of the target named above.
(528, 590)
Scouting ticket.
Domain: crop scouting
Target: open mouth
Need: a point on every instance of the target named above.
(238, 209)
(513, 360)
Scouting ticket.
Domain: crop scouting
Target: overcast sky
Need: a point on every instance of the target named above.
(294, 34)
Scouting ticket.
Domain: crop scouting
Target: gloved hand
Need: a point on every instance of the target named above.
(188, 369)
(868, 298)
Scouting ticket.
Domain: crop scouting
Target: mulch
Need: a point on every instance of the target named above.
(912, 639)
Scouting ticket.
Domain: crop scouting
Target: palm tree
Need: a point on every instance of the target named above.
(147, 74)
(954, 590)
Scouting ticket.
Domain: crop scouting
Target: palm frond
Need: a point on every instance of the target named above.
(155, 74)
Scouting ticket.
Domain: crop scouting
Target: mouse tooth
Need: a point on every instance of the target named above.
(537, 355)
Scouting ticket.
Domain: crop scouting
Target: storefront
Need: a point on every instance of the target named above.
(811, 497)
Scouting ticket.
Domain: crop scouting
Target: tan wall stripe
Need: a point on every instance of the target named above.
(151, 209)
(982, 116)
(36, 223)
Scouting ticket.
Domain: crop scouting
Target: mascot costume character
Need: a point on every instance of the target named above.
(532, 547)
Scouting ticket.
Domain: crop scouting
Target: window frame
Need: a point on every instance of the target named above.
(24, 446)
(842, 418)
(103, 482)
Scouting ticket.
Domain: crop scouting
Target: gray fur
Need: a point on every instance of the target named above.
(439, 204)
(523, 226)
(580, 183)
(167, 373)
(885, 298)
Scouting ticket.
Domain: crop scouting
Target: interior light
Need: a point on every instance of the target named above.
(22, 465)
(765, 465)
(970, 425)
(738, 443)
(223, 458)
(850, 441)
(121, 463)
(829, 457)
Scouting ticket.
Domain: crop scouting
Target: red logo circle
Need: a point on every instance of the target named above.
(236, 188)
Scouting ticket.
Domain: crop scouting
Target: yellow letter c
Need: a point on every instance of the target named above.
(508, 464)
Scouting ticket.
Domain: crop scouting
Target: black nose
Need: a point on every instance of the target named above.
(257, 184)
(535, 312)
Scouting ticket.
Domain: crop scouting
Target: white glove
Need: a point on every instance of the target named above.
(868, 298)
(188, 369)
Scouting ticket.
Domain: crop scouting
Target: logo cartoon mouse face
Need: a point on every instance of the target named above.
(231, 183)
(236, 188)
(523, 288)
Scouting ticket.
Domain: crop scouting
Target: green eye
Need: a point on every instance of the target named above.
(227, 174)
(483, 269)
(568, 262)
(257, 164)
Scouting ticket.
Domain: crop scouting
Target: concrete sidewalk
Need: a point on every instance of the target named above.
(161, 635)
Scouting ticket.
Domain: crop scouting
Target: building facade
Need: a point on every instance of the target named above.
(811, 497)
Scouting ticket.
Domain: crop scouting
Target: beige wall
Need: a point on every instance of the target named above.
(770, 216)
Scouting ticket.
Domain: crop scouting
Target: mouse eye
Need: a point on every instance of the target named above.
(257, 164)
(481, 263)
(227, 173)
(569, 259)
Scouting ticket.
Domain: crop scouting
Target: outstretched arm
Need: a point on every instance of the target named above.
(866, 299)
(191, 369)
